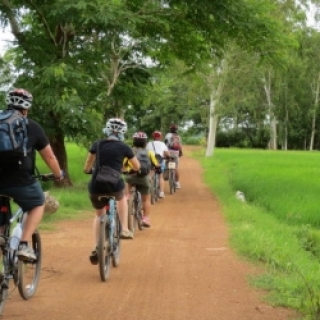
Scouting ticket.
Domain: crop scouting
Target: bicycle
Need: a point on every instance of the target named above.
(109, 245)
(25, 274)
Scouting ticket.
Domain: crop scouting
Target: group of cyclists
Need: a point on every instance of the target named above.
(114, 153)
(17, 180)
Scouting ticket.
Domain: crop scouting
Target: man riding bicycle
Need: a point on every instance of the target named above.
(161, 151)
(112, 152)
(174, 144)
(16, 178)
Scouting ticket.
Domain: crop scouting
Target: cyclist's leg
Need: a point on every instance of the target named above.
(31, 199)
(144, 188)
(122, 206)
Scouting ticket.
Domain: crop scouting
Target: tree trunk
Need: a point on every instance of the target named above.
(314, 114)
(272, 118)
(59, 149)
(215, 97)
(213, 121)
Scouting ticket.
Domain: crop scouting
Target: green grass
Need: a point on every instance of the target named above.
(74, 201)
(277, 226)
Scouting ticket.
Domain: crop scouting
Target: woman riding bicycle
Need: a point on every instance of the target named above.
(112, 152)
(142, 183)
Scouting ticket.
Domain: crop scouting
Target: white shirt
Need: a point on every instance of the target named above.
(158, 147)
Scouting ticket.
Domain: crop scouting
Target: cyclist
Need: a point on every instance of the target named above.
(112, 152)
(16, 178)
(174, 144)
(142, 183)
(161, 151)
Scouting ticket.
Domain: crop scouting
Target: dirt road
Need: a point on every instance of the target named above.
(180, 269)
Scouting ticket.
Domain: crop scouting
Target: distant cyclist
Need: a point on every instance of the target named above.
(161, 151)
(174, 144)
(112, 152)
(141, 178)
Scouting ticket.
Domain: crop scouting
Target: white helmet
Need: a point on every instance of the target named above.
(115, 125)
(19, 98)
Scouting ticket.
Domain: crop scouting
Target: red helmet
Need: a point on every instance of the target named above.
(156, 135)
(140, 135)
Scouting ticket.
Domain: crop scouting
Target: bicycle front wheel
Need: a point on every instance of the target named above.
(29, 271)
(116, 241)
(104, 249)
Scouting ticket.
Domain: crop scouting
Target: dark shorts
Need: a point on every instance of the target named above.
(27, 197)
(142, 183)
(99, 204)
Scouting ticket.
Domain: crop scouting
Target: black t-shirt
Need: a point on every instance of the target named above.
(15, 175)
(112, 154)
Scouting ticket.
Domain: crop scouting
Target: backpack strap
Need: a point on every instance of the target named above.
(98, 155)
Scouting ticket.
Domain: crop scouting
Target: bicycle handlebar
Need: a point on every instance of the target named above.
(45, 177)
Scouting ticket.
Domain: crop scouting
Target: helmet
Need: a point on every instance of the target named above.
(140, 136)
(173, 128)
(156, 135)
(19, 98)
(115, 125)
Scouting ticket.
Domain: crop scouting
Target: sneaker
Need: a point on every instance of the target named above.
(26, 253)
(94, 257)
(146, 222)
(161, 194)
(178, 185)
(126, 234)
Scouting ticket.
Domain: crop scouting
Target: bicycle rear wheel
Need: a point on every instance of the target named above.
(116, 241)
(131, 214)
(171, 181)
(157, 184)
(103, 249)
(138, 211)
(153, 188)
(29, 271)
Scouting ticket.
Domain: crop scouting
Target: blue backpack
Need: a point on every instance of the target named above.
(13, 136)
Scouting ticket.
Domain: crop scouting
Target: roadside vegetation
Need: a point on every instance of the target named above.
(278, 224)
(74, 201)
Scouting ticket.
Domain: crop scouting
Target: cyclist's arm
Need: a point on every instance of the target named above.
(153, 159)
(134, 163)
(89, 162)
(51, 161)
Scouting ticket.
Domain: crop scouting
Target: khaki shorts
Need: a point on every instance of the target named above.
(142, 183)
